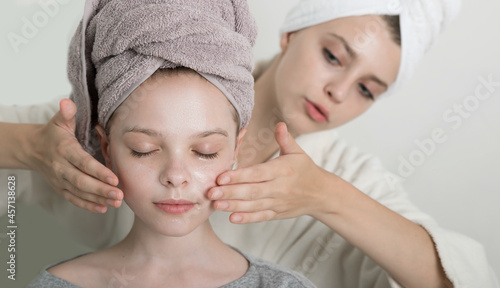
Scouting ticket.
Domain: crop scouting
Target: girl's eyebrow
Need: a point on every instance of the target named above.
(211, 132)
(149, 132)
(154, 133)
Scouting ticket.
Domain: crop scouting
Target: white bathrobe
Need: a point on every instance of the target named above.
(303, 244)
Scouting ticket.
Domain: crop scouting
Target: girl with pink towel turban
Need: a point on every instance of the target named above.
(337, 218)
(172, 100)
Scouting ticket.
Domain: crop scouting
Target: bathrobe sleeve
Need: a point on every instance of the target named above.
(30, 186)
(307, 246)
(464, 260)
(90, 229)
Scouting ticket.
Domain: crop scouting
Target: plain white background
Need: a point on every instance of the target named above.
(458, 183)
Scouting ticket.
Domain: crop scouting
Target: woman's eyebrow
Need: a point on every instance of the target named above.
(346, 45)
(380, 82)
(354, 55)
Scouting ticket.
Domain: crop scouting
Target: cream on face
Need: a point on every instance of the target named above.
(327, 76)
(168, 149)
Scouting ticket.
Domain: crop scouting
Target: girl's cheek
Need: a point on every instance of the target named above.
(206, 175)
(131, 175)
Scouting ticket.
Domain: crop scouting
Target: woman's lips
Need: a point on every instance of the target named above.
(175, 206)
(317, 112)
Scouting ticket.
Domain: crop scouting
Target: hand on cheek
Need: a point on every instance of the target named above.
(289, 186)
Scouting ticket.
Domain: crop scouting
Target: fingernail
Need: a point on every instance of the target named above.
(111, 202)
(112, 194)
(99, 209)
(115, 195)
(110, 181)
(224, 180)
(216, 194)
(237, 218)
(221, 205)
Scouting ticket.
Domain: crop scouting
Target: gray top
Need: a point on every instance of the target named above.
(261, 273)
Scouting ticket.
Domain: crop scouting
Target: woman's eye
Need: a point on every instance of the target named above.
(207, 156)
(330, 57)
(141, 154)
(365, 92)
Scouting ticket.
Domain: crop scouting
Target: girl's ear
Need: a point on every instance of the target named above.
(103, 139)
(239, 139)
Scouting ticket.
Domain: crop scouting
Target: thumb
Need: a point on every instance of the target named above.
(285, 140)
(65, 118)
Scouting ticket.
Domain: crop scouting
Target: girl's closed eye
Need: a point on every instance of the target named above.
(208, 149)
(208, 156)
(141, 154)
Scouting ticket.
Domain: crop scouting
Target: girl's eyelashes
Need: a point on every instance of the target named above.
(366, 92)
(199, 154)
(140, 154)
(207, 156)
(330, 57)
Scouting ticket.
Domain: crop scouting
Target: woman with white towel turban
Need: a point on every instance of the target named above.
(341, 219)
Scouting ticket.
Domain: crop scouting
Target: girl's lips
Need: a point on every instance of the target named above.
(175, 206)
(174, 202)
(317, 112)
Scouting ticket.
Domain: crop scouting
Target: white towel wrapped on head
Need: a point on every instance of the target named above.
(421, 21)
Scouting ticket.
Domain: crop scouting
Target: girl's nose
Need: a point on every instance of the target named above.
(175, 173)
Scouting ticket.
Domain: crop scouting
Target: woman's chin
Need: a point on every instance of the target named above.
(304, 125)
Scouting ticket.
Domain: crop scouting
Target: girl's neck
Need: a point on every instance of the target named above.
(145, 245)
(194, 260)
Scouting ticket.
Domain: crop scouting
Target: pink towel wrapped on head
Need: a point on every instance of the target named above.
(119, 44)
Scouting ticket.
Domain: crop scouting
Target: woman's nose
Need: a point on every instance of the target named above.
(337, 91)
(175, 173)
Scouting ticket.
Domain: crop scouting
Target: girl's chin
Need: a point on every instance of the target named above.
(179, 226)
(175, 233)
(175, 229)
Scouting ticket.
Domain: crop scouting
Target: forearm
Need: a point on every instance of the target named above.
(16, 144)
(404, 249)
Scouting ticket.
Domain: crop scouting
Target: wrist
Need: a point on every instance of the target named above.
(15, 147)
(328, 197)
(340, 199)
(27, 154)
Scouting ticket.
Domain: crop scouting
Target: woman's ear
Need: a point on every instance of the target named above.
(285, 40)
(103, 139)
(239, 139)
